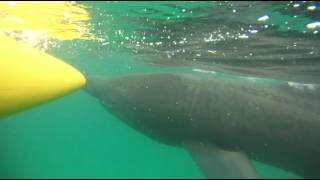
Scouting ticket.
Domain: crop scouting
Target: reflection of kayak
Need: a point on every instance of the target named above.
(40, 20)
(29, 77)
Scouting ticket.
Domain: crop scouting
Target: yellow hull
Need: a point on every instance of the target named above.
(29, 77)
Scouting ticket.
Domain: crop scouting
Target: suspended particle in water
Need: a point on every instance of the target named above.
(253, 31)
(263, 18)
(243, 36)
(311, 8)
(296, 5)
(313, 25)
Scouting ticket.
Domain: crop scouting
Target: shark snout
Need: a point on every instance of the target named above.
(95, 84)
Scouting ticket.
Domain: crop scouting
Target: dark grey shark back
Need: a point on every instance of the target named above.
(273, 124)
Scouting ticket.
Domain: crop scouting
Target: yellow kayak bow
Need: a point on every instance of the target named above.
(29, 77)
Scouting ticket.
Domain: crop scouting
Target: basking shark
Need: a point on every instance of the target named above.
(222, 122)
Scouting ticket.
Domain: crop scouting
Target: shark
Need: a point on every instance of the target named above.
(224, 123)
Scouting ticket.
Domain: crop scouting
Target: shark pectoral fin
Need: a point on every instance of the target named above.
(218, 163)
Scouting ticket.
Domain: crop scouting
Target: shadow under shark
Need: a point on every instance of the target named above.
(222, 122)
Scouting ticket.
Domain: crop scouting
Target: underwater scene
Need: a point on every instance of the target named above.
(160, 89)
